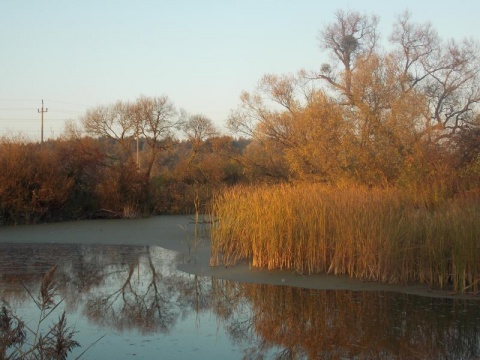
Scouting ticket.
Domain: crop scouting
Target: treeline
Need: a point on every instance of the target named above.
(402, 116)
(83, 177)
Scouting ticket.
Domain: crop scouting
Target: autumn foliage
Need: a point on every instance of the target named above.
(78, 178)
(379, 148)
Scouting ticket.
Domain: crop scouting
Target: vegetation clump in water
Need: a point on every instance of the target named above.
(374, 234)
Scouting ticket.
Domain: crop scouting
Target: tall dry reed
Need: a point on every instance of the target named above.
(374, 234)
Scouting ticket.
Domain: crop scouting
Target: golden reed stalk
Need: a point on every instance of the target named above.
(385, 235)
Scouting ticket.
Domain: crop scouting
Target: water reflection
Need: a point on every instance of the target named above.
(362, 325)
(137, 288)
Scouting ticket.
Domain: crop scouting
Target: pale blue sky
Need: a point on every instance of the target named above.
(202, 54)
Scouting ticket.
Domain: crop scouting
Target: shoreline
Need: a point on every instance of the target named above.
(175, 232)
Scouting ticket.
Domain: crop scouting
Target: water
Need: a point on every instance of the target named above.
(145, 308)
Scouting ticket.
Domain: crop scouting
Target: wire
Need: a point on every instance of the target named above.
(15, 109)
(21, 131)
(46, 120)
(66, 102)
(16, 119)
(20, 99)
(65, 111)
(45, 100)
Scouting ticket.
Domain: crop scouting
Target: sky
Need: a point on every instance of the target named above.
(202, 54)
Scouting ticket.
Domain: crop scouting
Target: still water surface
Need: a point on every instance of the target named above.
(147, 309)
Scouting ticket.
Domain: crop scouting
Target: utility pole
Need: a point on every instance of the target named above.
(138, 159)
(137, 134)
(41, 111)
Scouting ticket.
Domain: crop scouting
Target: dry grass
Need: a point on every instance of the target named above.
(18, 340)
(374, 234)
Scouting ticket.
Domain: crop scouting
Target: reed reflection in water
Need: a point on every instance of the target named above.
(136, 293)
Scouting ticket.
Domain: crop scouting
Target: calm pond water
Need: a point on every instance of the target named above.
(147, 310)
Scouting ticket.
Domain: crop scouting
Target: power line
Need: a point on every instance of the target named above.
(3, 99)
(19, 119)
(49, 100)
(32, 119)
(65, 111)
(17, 113)
(8, 131)
(67, 102)
(57, 111)
(15, 109)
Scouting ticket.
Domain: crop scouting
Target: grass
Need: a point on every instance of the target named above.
(385, 235)
(19, 340)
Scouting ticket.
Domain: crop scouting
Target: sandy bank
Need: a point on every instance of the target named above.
(176, 233)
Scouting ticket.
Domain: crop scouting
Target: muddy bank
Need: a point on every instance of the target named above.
(177, 233)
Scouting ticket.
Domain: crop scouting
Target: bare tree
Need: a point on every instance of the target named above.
(351, 35)
(113, 122)
(198, 128)
(446, 73)
(154, 118)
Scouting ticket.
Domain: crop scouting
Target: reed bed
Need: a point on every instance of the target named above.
(385, 235)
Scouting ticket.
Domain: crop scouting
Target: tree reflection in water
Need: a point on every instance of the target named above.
(138, 288)
(315, 324)
(147, 296)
